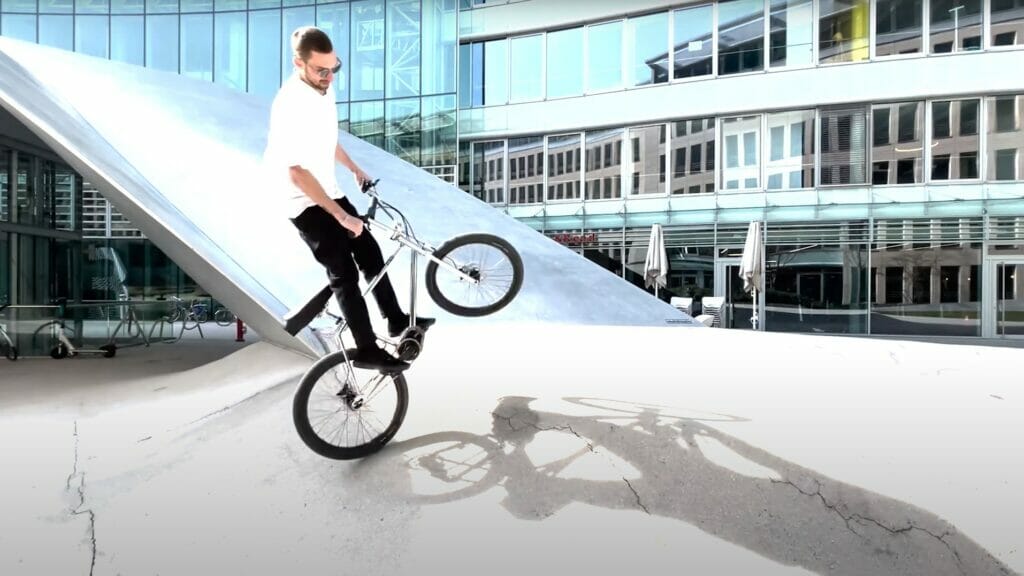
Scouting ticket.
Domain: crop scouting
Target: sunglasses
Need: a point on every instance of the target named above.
(324, 72)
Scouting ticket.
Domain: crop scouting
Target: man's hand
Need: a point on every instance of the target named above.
(360, 177)
(350, 223)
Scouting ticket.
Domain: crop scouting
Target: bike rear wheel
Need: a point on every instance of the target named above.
(343, 413)
(224, 317)
(490, 260)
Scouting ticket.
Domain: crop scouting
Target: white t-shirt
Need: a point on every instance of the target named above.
(303, 132)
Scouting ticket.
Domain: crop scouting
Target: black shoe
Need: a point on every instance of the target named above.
(395, 328)
(376, 359)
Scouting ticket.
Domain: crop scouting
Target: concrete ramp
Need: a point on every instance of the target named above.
(182, 160)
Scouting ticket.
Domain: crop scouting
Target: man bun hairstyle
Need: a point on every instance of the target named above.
(309, 39)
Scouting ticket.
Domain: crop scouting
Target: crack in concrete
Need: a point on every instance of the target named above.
(508, 420)
(240, 402)
(865, 520)
(639, 502)
(77, 510)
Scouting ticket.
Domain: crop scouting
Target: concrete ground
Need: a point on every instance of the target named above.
(527, 449)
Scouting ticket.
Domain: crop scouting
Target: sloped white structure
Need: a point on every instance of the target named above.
(182, 160)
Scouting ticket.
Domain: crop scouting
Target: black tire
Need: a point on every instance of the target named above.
(109, 350)
(59, 352)
(328, 377)
(224, 317)
(506, 283)
(10, 352)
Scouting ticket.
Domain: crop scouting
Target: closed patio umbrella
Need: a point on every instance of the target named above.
(656, 264)
(752, 267)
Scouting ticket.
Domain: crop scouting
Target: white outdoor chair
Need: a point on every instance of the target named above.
(684, 305)
(712, 306)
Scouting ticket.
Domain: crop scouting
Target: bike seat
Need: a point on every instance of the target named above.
(303, 316)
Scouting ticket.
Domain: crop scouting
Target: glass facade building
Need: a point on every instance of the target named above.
(892, 197)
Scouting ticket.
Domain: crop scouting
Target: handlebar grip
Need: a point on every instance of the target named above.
(367, 184)
(372, 212)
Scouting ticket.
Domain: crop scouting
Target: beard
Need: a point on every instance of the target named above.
(321, 85)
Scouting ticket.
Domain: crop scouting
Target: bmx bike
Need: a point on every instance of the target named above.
(344, 409)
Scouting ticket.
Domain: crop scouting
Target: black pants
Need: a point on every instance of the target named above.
(340, 254)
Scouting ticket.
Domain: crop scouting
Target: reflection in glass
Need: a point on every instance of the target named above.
(465, 157)
(955, 140)
(897, 153)
(91, 35)
(1009, 299)
(495, 72)
(898, 27)
(131, 6)
(230, 48)
(162, 42)
(692, 43)
(790, 156)
(1004, 138)
(647, 49)
(1007, 22)
(19, 26)
(741, 168)
(367, 52)
(924, 281)
(740, 36)
(439, 131)
(489, 172)
(693, 156)
(843, 31)
(604, 164)
(264, 52)
(792, 33)
(468, 94)
(368, 122)
(843, 146)
(19, 5)
(403, 53)
(5, 208)
(333, 19)
(646, 160)
(526, 170)
(565, 63)
(402, 129)
(56, 31)
(440, 36)
(527, 68)
(91, 6)
(955, 25)
(604, 59)
(162, 6)
(126, 40)
(197, 46)
(54, 7)
(564, 163)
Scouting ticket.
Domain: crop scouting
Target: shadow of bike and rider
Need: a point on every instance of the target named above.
(666, 462)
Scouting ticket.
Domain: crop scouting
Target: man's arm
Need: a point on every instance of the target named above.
(345, 160)
(311, 187)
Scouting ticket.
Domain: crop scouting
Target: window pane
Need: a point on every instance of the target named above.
(526, 68)
(563, 161)
(955, 25)
(956, 157)
(1005, 139)
(403, 37)
(741, 169)
(230, 43)
(565, 63)
(900, 162)
(792, 34)
(440, 34)
(880, 120)
(689, 174)
(647, 49)
(130, 6)
(604, 60)
(438, 130)
(366, 71)
(489, 172)
(692, 43)
(740, 36)
(496, 72)
(197, 46)
(791, 150)
(19, 5)
(56, 31)
(402, 129)
(604, 164)
(1007, 22)
(91, 35)
(91, 7)
(55, 7)
(264, 53)
(843, 31)
(528, 177)
(19, 26)
(368, 122)
(162, 42)
(196, 5)
(126, 39)
(334, 21)
(162, 7)
(466, 68)
(898, 27)
(843, 146)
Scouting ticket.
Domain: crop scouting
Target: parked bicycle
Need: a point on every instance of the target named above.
(7, 347)
(344, 409)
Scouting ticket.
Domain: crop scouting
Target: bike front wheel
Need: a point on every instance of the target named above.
(224, 317)
(343, 413)
(492, 262)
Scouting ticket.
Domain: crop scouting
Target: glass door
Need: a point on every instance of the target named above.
(738, 304)
(1009, 298)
